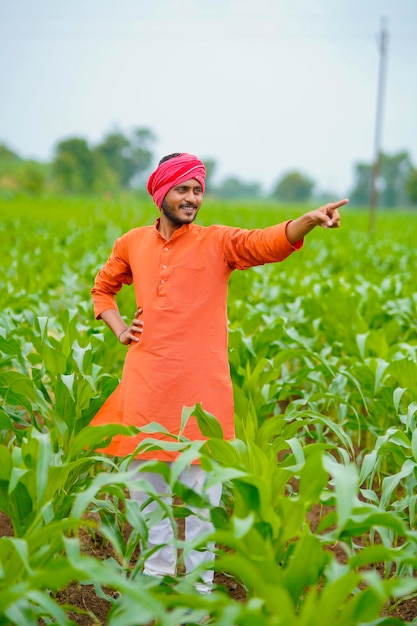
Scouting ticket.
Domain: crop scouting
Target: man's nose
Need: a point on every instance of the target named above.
(190, 196)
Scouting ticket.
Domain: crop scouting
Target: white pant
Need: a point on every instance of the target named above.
(164, 560)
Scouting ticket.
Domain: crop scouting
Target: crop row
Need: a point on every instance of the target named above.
(323, 360)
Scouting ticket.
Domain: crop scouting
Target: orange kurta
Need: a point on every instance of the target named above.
(181, 358)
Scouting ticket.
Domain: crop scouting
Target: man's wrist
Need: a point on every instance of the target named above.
(299, 227)
(121, 333)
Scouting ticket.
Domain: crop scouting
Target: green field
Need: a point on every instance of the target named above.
(323, 360)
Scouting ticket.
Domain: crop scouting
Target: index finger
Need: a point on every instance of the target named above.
(335, 205)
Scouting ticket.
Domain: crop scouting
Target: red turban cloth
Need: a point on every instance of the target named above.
(174, 172)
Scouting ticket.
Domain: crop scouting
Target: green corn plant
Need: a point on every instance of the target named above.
(30, 569)
(322, 352)
(290, 569)
(51, 380)
(38, 482)
(37, 569)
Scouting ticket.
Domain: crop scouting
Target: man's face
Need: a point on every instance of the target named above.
(182, 202)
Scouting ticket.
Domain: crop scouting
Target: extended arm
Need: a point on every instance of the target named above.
(326, 216)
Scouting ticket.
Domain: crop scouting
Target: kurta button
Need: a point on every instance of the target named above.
(164, 267)
(165, 249)
(162, 282)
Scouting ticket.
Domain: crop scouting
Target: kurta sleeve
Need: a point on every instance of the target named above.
(109, 280)
(246, 248)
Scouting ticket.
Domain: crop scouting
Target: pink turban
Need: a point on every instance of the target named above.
(174, 172)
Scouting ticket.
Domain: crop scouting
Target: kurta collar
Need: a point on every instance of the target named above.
(180, 232)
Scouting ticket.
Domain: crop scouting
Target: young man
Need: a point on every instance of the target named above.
(178, 348)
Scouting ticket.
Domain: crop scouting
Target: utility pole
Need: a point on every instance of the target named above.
(382, 49)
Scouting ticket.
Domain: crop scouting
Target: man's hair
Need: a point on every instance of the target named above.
(168, 157)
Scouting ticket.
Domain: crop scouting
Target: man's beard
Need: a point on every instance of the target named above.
(176, 218)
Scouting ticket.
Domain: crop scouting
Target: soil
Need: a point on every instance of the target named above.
(84, 597)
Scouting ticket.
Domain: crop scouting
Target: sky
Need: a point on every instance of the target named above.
(263, 87)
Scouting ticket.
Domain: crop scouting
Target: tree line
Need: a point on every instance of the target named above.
(122, 162)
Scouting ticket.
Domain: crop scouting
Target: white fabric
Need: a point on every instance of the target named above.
(164, 560)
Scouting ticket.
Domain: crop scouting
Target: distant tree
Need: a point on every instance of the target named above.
(361, 191)
(293, 187)
(394, 171)
(210, 165)
(75, 166)
(141, 142)
(20, 176)
(8, 162)
(114, 153)
(32, 178)
(6, 154)
(233, 187)
(127, 157)
(411, 186)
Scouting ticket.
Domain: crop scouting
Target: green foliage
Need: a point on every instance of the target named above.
(394, 174)
(412, 185)
(128, 158)
(6, 154)
(323, 360)
(210, 165)
(76, 168)
(293, 187)
(233, 187)
(20, 176)
(118, 163)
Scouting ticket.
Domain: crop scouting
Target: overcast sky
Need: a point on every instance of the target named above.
(261, 86)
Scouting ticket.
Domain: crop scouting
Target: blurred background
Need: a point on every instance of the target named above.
(279, 98)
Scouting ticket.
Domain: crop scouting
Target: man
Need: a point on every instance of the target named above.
(178, 349)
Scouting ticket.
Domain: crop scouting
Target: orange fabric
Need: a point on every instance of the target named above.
(181, 358)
